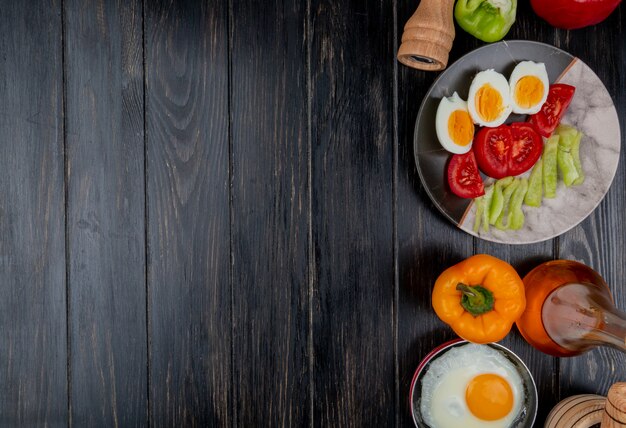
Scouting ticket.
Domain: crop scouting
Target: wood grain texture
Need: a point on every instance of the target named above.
(427, 242)
(105, 217)
(32, 243)
(599, 240)
(270, 220)
(352, 58)
(188, 212)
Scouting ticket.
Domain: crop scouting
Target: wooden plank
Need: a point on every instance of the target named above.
(352, 178)
(599, 240)
(105, 217)
(33, 341)
(427, 242)
(188, 212)
(270, 199)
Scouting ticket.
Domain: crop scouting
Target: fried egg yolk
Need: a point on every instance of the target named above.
(460, 127)
(489, 397)
(489, 103)
(529, 91)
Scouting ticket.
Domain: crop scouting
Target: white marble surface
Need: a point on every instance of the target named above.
(591, 111)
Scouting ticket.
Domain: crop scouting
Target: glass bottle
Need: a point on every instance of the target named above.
(569, 310)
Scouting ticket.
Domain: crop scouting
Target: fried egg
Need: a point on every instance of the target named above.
(454, 126)
(471, 386)
(489, 102)
(529, 87)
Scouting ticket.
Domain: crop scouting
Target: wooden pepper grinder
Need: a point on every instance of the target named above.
(615, 407)
(428, 36)
(587, 410)
(577, 411)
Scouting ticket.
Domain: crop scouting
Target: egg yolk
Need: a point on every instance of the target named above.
(529, 91)
(489, 397)
(488, 103)
(460, 127)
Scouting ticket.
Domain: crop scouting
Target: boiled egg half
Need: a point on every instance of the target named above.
(454, 126)
(529, 87)
(489, 101)
(471, 386)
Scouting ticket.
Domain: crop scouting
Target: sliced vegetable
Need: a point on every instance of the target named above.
(487, 20)
(491, 146)
(565, 161)
(480, 208)
(572, 14)
(507, 150)
(463, 176)
(525, 149)
(502, 222)
(559, 98)
(534, 195)
(570, 139)
(497, 202)
(516, 215)
(480, 298)
(576, 155)
(487, 198)
(549, 166)
(567, 133)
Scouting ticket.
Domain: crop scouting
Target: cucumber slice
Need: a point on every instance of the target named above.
(567, 134)
(506, 194)
(480, 207)
(535, 186)
(487, 198)
(497, 202)
(566, 165)
(516, 215)
(576, 155)
(550, 150)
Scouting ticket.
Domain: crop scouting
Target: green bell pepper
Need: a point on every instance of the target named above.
(487, 20)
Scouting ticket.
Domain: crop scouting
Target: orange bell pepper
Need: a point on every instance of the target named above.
(480, 298)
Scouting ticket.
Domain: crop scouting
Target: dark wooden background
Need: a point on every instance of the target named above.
(210, 214)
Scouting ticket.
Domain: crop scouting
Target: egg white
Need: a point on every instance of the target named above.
(528, 68)
(447, 106)
(500, 84)
(443, 387)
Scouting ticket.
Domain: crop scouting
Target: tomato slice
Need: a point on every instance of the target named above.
(526, 148)
(492, 146)
(507, 150)
(463, 176)
(546, 120)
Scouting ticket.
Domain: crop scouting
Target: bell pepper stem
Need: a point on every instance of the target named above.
(476, 300)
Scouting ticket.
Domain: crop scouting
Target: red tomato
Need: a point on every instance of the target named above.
(463, 176)
(491, 146)
(525, 149)
(507, 150)
(546, 120)
(571, 14)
